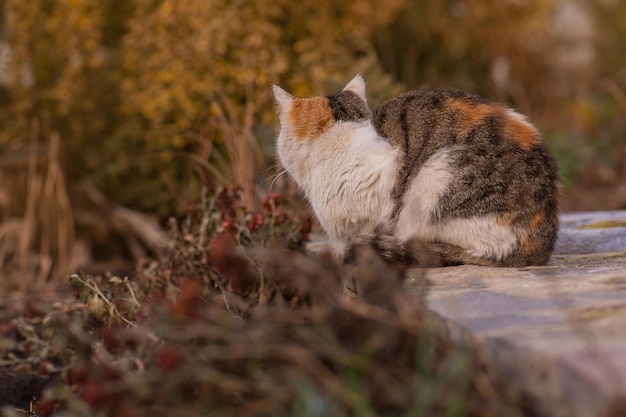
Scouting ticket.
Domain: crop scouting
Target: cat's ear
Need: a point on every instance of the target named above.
(357, 86)
(283, 99)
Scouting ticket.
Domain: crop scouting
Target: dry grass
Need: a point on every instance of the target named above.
(242, 147)
(36, 222)
(40, 214)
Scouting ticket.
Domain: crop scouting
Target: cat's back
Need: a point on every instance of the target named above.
(444, 114)
(423, 122)
(424, 100)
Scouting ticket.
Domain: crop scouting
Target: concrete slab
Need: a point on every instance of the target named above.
(557, 333)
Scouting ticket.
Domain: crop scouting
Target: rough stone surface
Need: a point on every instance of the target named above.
(557, 333)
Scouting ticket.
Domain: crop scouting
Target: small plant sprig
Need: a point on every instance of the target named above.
(116, 301)
(226, 212)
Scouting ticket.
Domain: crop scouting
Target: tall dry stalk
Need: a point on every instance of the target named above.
(57, 228)
(36, 223)
(243, 152)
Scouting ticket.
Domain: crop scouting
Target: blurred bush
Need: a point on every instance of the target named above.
(154, 97)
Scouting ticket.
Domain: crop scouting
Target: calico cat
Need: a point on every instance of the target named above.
(442, 170)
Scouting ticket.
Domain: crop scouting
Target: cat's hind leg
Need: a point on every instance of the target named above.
(414, 253)
(449, 255)
(392, 250)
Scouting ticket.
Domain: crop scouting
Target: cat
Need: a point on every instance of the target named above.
(440, 170)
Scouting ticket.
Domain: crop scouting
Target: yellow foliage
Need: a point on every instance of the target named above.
(178, 54)
(127, 83)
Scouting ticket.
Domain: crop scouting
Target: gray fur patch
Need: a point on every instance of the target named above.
(347, 106)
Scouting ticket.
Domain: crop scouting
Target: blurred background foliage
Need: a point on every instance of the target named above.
(152, 99)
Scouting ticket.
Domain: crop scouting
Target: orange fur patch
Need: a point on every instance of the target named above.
(506, 219)
(537, 221)
(527, 238)
(310, 117)
(515, 129)
(529, 245)
(522, 132)
(470, 114)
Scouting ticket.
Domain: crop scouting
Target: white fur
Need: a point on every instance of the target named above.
(519, 117)
(347, 173)
(357, 86)
(482, 236)
(422, 197)
(283, 99)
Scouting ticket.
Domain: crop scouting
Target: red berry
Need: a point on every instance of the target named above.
(91, 393)
(44, 408)
(167, 359)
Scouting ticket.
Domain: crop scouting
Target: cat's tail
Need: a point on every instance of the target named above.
(414, 253)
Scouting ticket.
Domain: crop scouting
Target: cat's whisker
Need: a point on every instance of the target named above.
(274, 178)
(273, 167)
(277, 177)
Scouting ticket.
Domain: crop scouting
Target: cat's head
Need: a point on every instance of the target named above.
(309, 118)
(313, 128)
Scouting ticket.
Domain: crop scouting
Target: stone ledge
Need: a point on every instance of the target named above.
(556, 334)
